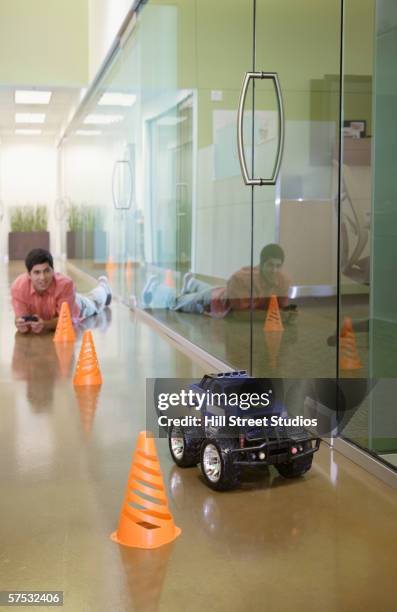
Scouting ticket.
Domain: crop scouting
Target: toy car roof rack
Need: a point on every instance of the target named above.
(234, 374)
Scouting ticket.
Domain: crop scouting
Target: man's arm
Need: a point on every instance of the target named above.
(20, 309)
(51, 324)
(40, 325)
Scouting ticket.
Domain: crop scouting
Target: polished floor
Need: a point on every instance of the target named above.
(326, 542)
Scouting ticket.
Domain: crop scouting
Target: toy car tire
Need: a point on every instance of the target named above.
(296, 468)
(217, 464)
(184, 447)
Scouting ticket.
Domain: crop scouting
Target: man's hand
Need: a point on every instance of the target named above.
(37, 326)
(289, 313)
(21, 325)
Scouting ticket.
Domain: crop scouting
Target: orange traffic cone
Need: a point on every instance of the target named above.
(349, 359)
(273, 341)
(110, 267)
(64, 331)
(128, 269)
(87, 370)
(144, 523)
(169, 279)
(128, 274)
(87, 398)
(273, 321)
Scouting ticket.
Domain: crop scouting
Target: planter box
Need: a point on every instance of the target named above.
(20, 243)
(86, 245)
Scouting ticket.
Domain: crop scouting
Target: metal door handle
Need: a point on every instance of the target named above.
(125, 165)
(280, 148)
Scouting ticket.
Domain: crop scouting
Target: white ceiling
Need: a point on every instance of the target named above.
(58, 112)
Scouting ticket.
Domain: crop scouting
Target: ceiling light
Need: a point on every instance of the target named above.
(29, 117)
(28, 132)
(32, 96)
(102, 119)
(88, 132)
(117, 99)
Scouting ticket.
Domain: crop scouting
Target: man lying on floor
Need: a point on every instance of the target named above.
(38, 294)
(201, 298)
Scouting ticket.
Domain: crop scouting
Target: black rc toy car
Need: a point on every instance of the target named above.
(223, 437)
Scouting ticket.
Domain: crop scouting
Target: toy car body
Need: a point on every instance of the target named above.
(223, 449)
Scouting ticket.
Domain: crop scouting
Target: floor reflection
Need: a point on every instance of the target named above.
(145, 571)
(217, 515)
(87, 399)
(35, 361)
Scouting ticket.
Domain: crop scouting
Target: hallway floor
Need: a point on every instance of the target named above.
(326, 542)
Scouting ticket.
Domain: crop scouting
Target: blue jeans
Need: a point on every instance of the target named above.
(92, 303)
(195, 300)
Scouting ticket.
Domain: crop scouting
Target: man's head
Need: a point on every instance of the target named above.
(271, 261)
(40, 267)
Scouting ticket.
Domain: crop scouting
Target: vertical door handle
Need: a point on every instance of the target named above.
(273, 76)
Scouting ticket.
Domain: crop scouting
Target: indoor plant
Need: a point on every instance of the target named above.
(28, 230)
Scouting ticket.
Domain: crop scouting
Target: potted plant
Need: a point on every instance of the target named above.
(28, 231)
(74, 234)
(85, 238)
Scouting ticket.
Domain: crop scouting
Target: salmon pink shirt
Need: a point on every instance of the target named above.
(47, 305)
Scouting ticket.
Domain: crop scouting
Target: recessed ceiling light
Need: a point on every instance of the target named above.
(31, 96)
(29, 117)
(117, 99)
(102, 119)
(88, 132)
(28, 132)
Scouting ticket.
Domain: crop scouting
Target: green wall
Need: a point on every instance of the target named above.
(384, 234)
(44, 42)
(298, 39)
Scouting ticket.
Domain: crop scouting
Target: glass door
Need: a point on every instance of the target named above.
(295, 210)
(198, 225)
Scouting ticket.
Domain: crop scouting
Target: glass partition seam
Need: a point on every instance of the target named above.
(194, 179)
(375, 86)
(251, 348)
(340, 160)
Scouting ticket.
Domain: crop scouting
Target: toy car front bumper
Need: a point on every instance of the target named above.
(274, 452)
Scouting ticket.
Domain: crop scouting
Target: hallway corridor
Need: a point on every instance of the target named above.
(64, 466)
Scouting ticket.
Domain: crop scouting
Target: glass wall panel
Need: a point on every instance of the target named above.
(161, 181)
(152, 192)
(368, 222)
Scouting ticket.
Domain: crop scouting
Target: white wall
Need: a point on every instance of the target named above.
(105, 19)
(27, 176)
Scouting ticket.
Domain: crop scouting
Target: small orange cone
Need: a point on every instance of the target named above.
(273, 341)
(349, 359)
(87, 398)
(128, 269)
(64, 331)
(169, 279)
(128, 274)
(110, 267)
(87, 370)
(273, 321)
(144, 523)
